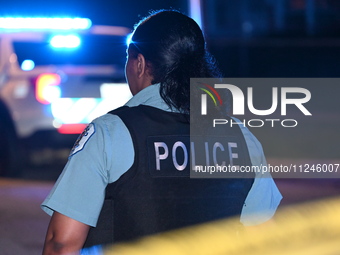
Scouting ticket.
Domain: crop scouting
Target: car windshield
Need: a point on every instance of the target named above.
(93, 50)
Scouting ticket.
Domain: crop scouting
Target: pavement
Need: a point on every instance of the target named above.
(23, 223)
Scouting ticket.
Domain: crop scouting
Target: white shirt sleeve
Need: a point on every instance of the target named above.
(264, 196)
(100, 157)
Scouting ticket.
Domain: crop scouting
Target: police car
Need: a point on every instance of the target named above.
(56, 75)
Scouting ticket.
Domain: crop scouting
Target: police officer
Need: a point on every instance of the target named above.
(128, 174)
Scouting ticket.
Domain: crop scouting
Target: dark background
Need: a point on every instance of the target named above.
(263, 38)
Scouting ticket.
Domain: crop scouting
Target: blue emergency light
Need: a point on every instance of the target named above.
(27, 65)
(45, 23)
(65, 41)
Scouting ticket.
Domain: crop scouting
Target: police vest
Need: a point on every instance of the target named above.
(157, 194)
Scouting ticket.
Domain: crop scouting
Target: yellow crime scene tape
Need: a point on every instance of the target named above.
(305, 229)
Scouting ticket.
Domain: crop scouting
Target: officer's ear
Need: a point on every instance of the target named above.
(141, 65)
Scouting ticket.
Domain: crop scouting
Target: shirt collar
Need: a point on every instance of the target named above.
(149, 96)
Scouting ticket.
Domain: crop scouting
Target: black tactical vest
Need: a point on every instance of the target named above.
(157, 194)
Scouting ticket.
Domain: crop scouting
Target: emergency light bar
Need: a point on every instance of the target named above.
(65, 41)
(45, 23)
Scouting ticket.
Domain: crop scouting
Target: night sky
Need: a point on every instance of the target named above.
(101, 12)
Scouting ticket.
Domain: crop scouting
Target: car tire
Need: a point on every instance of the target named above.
(10, 159)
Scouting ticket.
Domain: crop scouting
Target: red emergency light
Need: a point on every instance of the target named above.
(47, 88)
